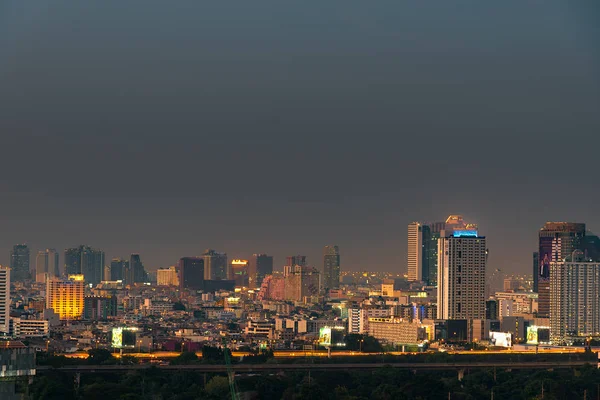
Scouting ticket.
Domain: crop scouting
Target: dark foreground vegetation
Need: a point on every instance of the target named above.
(387, 383)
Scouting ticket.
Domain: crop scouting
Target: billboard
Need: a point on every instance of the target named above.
(538, 334)
(325, 336)
(332, 336)
(500, 339)
(123, 338)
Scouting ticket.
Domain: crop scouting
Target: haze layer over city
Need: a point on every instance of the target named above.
(282, 127)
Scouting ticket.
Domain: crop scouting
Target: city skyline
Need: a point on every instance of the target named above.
(313, 260)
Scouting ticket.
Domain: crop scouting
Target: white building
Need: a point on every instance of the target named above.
(4, 300)
(415, 252)
(28, 327)
(574, 294)
(462, 259)
(358, 318)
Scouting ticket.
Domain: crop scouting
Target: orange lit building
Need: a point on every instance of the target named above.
(66, 297)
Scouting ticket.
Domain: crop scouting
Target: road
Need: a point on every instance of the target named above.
(242, 368)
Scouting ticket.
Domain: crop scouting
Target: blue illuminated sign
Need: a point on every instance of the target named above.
(466, 233)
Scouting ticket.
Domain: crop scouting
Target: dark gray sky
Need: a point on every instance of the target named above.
(270, 126)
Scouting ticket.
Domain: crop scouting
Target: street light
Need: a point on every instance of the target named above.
(361, 342)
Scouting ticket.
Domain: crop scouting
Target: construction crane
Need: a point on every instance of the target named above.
(230, 372)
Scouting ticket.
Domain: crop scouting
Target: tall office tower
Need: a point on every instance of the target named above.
(462, 258)
(191, 273)
(259, 266)
(137, 273)
(331, 267)
(73, 261)
(295, 260)
(536, 265)
(591, 245)
(300, 282)
(415, 252)
(557, 240)
(46, 265)
(4, 299)
(87, 261)
(19, 262)
(65, 297)
(118, 268)
(574, 293)
(239, 272)
(215, 265)
(167, 276)
(92, 265)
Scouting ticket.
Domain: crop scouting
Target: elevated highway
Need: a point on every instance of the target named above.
(250, 368)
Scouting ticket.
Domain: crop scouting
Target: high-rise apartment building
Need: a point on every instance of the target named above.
(462, 259)
(119, 268)
(4, 299)
(215, 265)
(65, 297)
(415, 252)
(84, 260)
(167, 276)
(19, 262)
(557, 240)
(300, 282)
(574, 294)
(331, 267)
(191, 273)
(423, 246)
(46, 265)
(259, 266)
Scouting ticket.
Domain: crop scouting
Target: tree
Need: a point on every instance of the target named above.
(187, 357)
(217, 387)
(100, 356)
(368, 344)
(178, 306)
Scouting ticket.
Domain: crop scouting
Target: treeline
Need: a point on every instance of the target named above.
(387, 383)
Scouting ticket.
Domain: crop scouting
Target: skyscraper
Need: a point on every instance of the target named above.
(46, 265)
(259, 266)
(84, 260)
(557, 240)
(300, 282)
(462, 258)
(4, 299)
(136, 273)
(239, 272)
(331, 267)
(423, 246)
(65, 297)
(296, 260)
(191, 273)
(574, 293)
(118, 269)
(536, 267)
(19, 262)
(215, 265)
(415, 252)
